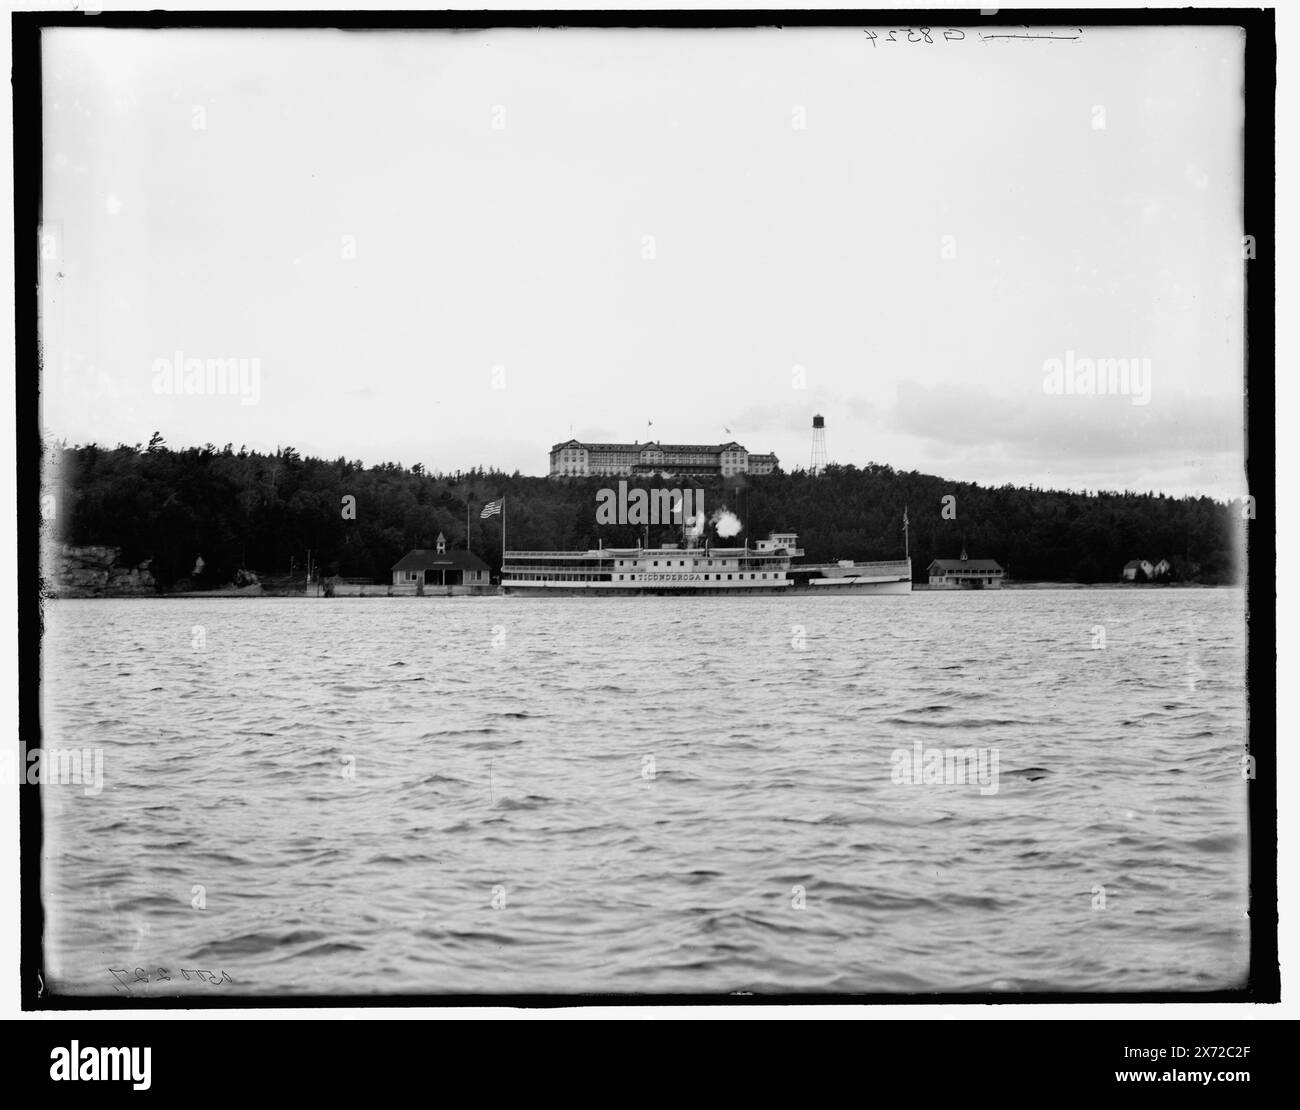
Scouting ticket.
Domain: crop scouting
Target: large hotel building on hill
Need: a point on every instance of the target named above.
(624, 460)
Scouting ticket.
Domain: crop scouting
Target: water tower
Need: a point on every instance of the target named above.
(819, 445)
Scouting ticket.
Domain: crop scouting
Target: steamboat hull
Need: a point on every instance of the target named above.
(836, 587)
(893, 576)
(840, 590)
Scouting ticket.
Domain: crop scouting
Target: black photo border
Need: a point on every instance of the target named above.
(1263, 982)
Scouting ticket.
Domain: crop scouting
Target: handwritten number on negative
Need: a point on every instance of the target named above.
(211, 978)
(917, 34)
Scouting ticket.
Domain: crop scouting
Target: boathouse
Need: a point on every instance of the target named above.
(965, 574)
(440, 570)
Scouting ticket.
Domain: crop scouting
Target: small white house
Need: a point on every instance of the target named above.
(1132, 567)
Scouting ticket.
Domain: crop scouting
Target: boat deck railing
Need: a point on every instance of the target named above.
(560, 554)
(650, 552)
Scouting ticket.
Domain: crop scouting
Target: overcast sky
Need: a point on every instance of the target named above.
(459, 249)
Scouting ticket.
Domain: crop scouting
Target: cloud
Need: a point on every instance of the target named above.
(1186, 444)
(1056, 427)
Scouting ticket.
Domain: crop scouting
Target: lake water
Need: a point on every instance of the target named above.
(649, 795)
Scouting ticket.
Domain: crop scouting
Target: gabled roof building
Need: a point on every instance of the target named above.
(965, 574)
(440, 567)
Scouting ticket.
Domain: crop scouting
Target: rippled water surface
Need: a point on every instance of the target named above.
(649, 795)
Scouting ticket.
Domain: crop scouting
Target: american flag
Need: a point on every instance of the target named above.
(904, 518)
(492, 508)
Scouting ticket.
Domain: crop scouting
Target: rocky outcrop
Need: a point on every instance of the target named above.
(96, 572)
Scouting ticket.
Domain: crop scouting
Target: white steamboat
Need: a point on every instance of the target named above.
(684, 568)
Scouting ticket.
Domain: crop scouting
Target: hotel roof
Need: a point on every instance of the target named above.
(694, 448)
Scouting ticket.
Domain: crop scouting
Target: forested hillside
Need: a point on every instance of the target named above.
(261, 512)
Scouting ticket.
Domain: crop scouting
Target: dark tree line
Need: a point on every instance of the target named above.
(265, 512)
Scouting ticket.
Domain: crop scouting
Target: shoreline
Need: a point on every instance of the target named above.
(257, 592)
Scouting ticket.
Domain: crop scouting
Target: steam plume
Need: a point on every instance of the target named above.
(727, 522)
